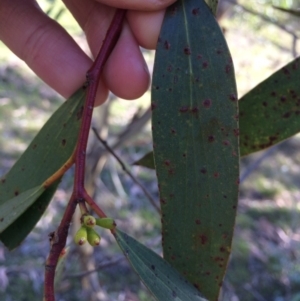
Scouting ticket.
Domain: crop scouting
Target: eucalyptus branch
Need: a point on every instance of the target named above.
(79, 195)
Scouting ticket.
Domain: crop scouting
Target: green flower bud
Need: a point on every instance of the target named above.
(81, 236)
(93, 237)
(106, 222)
(89, 221)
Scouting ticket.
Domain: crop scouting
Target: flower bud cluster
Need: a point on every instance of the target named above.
(87, 233)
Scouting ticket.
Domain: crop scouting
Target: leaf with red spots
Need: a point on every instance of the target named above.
(162, 280)
(270, 112)
(48, 151)
(13, 208)
(193, 117)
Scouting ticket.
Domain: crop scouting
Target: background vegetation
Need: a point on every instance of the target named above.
(265, 261)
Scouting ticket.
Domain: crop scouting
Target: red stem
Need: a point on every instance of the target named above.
(58, 241)
(93, 77)
(93, 205)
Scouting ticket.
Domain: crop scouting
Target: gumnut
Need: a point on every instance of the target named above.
(106, 222)
(93, 237)
(81, 236)
(89, 220)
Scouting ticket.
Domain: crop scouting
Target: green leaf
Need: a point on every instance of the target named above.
(146, 161)
(12, 209)
(270, 112)
(48, 151)
(195, 135)
(17, 231)
(293, 12)
(213, 5)
(163, 281)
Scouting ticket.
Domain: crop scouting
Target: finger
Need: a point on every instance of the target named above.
(125, 74)
(146, 26)
(144, 5)
(45, 46)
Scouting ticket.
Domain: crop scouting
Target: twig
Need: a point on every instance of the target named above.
(58, 239)
(253, 166)
(264, 17)
(99, 267)
(110, 150)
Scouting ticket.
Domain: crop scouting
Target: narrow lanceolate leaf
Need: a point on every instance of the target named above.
(195, 133)
(49, 150)
(163, 281)
(270, 112)
(13, 208)
(19, 229)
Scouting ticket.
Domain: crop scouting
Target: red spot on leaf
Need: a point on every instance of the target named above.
(167, 45)
(167, 162)
(171, 171)
(203, 239)
(163, 201)
(222, 249)
(232, 97)
(211, 138)
(207, 103)
(153, 106)
(236, 132)
(195, 110)
(196, 11)
(203, 170)
(227, 68)
(283, 98)
(187, 50)
(183, 109)
(216, 175)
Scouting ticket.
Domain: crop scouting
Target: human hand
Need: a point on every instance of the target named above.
(55, 57)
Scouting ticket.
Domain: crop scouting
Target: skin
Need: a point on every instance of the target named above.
(55, 57)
